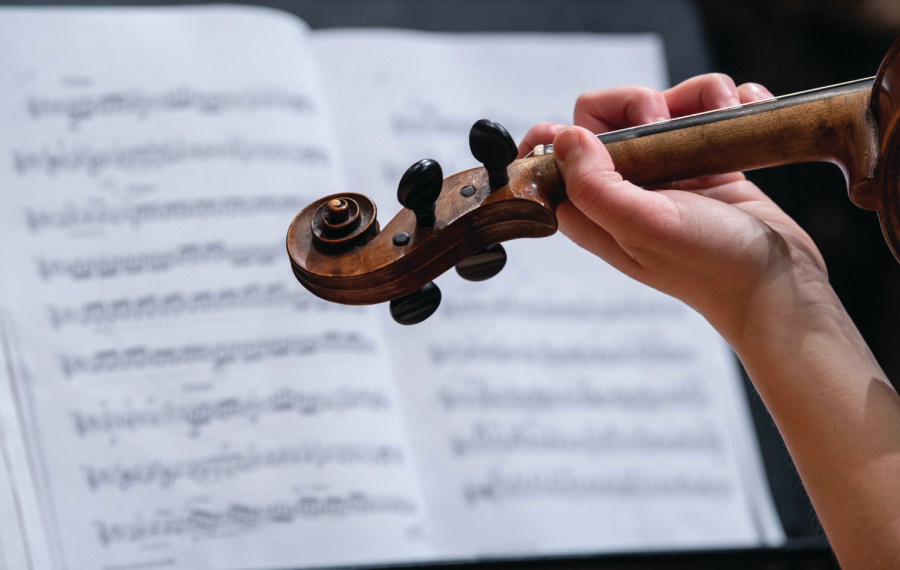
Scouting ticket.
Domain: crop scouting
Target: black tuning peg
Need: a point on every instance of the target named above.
(492, 146)
(419, 190)
(417, 306)
(483, 264)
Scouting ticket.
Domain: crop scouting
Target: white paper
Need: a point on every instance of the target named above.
(181, 402)
(188, 404)
(14, 550)
(558, 407)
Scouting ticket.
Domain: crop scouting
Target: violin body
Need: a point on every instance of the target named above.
(456, 221)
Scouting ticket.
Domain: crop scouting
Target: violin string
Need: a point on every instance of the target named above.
(741, 106)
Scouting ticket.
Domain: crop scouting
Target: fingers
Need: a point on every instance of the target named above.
(623, 210)
(711, 91)
(618, 108)
(699, 183)
(542, 133)
(584, 232)
(605, 110)
(735, 193)
(702, 93)
(752, 92)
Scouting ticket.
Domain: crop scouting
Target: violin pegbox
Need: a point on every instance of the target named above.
(492, 146)
(340, 254)
(419, 189)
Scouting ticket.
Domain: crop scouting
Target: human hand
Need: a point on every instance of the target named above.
(718, 243)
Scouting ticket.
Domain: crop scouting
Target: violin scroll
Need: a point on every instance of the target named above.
(342, 221)
(455, 222)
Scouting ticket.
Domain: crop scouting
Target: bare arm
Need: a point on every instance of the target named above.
(723, 247)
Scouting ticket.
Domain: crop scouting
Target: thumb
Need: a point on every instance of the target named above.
(630, 214)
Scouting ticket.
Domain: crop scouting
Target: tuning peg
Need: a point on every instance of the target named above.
(417, 306)
(483, 264)
(419, 190)
(492, 146)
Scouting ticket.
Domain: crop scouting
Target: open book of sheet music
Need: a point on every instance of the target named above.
(172, 398)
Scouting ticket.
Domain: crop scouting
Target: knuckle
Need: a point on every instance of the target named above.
(647, 93)
(723, 79)
(587, 101)
(586, 98)
(586, 188)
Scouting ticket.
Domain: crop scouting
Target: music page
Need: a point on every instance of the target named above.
(188, 405)
(558, 407)
(14, 523)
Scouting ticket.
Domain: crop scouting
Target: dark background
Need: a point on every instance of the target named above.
(794, 45)
(791, 46)
(787, 45)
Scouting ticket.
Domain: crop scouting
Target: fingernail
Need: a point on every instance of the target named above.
(765, 93)
(564, 142)
(733, 102)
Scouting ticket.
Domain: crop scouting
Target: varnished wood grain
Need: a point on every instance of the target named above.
(381, 271)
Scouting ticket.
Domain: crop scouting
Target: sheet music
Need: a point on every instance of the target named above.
(558, 407)
(188, 405)
(14, 551)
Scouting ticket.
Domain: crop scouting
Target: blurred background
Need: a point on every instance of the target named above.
(791, 45)
(787, 45)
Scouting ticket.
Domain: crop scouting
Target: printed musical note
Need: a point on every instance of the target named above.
(583, 395)
(498, 487)
(549, 354)
(204, 301)
(238, 518)
(217, 355)
(94, 216)
(224, 466)
(150, 170)
(186, 255)
(84, 158)
(426, 118)
(509, 305)
(492, 437)
(195, 416)
(142, 104)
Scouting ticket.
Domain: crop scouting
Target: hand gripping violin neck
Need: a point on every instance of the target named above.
(340, 254)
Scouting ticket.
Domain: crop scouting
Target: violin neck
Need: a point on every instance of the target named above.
(832, 124)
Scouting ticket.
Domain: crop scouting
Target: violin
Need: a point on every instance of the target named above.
(339, 252)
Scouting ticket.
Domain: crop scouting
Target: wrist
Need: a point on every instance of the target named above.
(792, 327)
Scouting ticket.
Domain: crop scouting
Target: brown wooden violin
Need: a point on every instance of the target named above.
(340, 254)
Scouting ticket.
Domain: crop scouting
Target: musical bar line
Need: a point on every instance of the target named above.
(199, 415)
(217, 355)
(212, 469)
(240, 517)
(494, 437)
(94, 216)
(580, 395)
(499, 487)
(185, 255)
(152, 155)
(204, 301)
(142, 104)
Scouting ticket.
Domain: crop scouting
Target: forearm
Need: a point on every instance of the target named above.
(836, 411)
